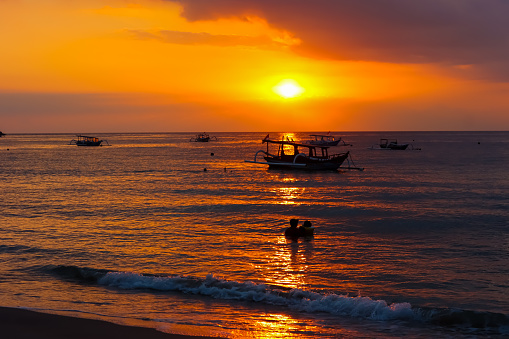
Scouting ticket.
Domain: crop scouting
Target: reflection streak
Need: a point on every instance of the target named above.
(288, 265)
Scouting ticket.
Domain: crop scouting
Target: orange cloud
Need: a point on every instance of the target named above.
(190, 38)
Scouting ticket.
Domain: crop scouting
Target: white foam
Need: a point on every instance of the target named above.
(363, 307)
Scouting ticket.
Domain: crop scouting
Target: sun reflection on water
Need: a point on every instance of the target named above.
(288, 195)
(288, 136)
(275, 326)
(288, 265)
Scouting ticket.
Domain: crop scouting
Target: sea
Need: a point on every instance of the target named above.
(156, 230)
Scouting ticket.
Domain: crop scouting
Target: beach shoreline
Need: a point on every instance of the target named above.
(18, 323)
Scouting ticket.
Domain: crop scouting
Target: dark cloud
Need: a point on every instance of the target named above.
(448, 32)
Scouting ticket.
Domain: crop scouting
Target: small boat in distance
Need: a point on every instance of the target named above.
(84, 140)
(1, 134)
(202, 137)
(315, 158)
(391, 144)
(326, 140)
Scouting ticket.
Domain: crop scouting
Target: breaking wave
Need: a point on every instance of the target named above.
(295, 299)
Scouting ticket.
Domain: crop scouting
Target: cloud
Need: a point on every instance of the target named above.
(189, 38)
(446, 32)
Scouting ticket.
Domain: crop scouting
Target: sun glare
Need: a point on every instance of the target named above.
(288, 88)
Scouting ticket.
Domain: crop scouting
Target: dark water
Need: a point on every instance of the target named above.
(415, 245)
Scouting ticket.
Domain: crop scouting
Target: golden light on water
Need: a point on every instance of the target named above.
(275, 326)
(288, 264)
(288, 195)
(288, 136)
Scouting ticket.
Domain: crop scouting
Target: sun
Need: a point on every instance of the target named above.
(288, 88)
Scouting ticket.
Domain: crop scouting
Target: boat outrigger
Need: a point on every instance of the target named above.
(288, 156)
(326, 140)
(84, 140)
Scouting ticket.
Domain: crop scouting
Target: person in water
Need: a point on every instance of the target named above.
(305, 229)
(292, 232)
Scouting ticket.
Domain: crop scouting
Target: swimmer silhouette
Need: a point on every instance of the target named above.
(292, 232)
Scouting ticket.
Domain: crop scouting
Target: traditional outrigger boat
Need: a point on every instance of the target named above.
(326, 140)
(288, 156)
(202, 137)
(84, 140)
(392, 144)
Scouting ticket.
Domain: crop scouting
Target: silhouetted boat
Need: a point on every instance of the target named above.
(288, 156)
(1, 134)
(202, 137)
(326, 140)
(84, 140)
(392, 144)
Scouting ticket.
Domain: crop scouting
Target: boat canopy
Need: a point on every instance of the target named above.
(322, 136)
(87, 138)
(311, 148)
(293, 143)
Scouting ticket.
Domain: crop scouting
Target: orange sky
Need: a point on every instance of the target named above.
(153, 65)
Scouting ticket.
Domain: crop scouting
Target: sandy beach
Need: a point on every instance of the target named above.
(24, 324)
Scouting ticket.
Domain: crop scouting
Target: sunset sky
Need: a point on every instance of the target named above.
(253, 65)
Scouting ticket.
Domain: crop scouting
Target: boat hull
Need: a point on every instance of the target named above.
(324, 143)
(307, 163)
(401, 147)
(84, 140)
(392, 144)
(98, 143)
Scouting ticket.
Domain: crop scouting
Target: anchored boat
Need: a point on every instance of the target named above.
(84, 140)
(202, 137)
(289, 156)
(326, 140)
(392, 144)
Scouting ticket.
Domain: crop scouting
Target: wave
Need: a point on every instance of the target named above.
(295, 299)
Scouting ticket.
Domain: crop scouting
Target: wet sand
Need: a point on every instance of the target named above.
(24, 324)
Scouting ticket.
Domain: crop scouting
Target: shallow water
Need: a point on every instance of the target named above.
(417, 244)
